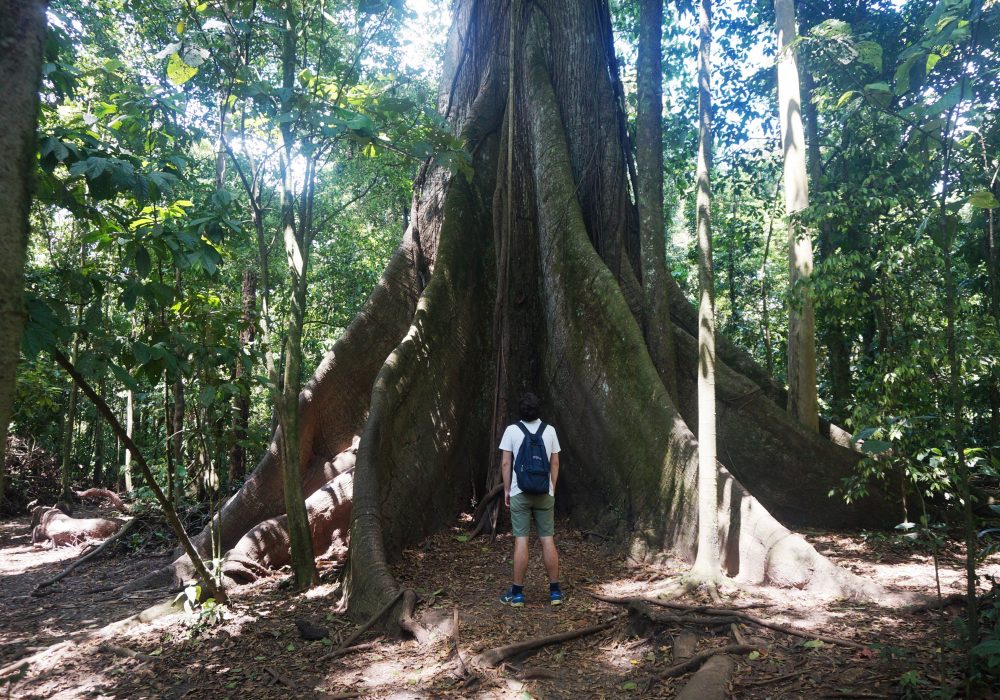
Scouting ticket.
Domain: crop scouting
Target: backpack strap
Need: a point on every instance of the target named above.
(523, 429)
(541, 429)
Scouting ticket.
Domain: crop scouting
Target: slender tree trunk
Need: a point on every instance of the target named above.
(303, 564)
(241, 404)
(837, 345)
(657, 326)
(176, 445)
(707, 560)
(129, 428)
(66, 470)
(802, 400)
(99, 475)
(22, 33)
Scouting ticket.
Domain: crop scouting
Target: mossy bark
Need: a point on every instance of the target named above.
(22, 32)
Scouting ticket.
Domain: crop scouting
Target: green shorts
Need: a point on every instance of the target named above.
(525, 505)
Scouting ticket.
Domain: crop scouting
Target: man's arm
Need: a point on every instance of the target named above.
(554, 469)
(505, 464)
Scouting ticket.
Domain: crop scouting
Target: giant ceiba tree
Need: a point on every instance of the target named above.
(526, 274)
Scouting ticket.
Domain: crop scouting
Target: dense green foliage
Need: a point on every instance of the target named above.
(154, 117)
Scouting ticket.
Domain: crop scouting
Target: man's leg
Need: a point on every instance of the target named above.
(550, 555)
(520, 521)
(520, 559)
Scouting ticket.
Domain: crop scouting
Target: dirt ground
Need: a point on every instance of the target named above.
(257, 651)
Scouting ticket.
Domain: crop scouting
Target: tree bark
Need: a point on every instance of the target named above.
(657, 328)
(706, 564)
(22, 34)
(802, 400)
(838, 347)
(129, 427)
(297, 251)
(241, 404)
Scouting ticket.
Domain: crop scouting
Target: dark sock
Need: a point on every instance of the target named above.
(553, 587)
(515, 589)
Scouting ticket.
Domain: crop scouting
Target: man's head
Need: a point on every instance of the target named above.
(527, 407)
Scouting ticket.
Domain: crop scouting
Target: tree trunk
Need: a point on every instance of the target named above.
(129, 428)
(69, 421)
(838, 347)
(297, 250)
(22, 33)
(241, 404)
(415, 376)
(706, 564)
(657, 329)
(802, 399)
(98, 427)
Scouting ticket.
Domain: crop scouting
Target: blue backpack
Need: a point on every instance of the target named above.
(532, 462)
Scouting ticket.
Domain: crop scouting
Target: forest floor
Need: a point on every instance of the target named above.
(257, 652)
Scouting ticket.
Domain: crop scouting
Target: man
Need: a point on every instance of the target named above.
(525, 507)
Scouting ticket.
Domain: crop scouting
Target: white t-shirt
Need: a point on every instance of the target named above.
(511, 442)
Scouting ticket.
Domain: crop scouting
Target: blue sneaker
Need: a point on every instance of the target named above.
(515, 600)
(555, 597)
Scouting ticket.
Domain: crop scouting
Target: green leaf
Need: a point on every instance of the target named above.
(629, 685)
(874, 447)
(879, 92)
(143, 264)
(462, 538)
(207, 396)
(142, 352)
(813, 644)
(987, 648)
(178, 72)
(754, 655)
(870, 53)
(932, 59)
(984, 199)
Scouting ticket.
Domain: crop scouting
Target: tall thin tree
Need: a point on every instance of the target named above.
(706, 565)
(657, 327)
(295, 233)
(802, 399)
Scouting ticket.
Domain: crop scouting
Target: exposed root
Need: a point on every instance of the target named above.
(697, 660)
(692, 582)
(93, 554)
(711, 681)
(102, 497)
(364, 628)
(52, 525)
(723, 613)
(492, 658)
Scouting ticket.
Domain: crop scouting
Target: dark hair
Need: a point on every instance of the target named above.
(527, 407)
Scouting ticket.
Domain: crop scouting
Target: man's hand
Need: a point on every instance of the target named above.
(506, 498)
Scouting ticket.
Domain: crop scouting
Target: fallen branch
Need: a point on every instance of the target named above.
(698, 659)
(278, 677)
(124, 652)
(736, 612)
(348, 650)
(365, 627)
(93, 554)
(777, 679)
(494, 657)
